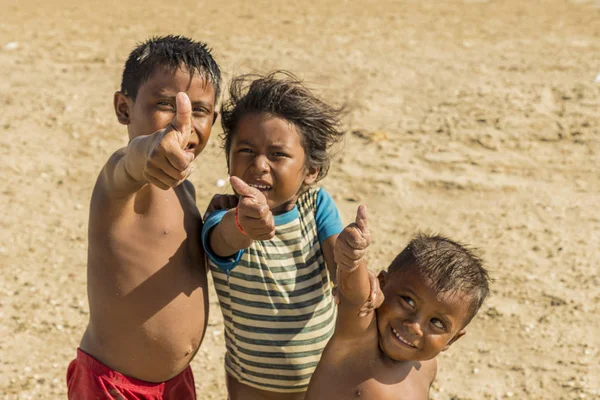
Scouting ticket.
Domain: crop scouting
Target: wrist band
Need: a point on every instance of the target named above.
(237, 220)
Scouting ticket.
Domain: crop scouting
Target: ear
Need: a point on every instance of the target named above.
(383, 277)
(122, 108)
(311, 175)
(458, 335)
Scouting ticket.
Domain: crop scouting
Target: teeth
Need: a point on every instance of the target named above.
(401, 338)
(260, 187)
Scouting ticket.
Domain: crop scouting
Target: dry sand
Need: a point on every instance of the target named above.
(478, 119)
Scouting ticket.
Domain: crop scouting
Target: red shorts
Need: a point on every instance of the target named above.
(89, 379)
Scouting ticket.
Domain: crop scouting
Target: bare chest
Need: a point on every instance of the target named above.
(361, 373)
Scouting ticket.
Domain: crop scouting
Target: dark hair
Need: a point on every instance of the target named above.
(169, 52)
(450, 267)
(283, 95)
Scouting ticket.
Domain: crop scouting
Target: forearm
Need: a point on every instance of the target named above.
(353, 283)
(226, 239)
(123, 174)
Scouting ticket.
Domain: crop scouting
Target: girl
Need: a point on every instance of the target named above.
(271, 256)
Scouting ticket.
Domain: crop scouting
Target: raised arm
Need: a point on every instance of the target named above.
(250, 220)
(159, 158)
(352, 272)
(353, 277)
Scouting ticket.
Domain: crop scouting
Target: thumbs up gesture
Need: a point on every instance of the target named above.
(168, 163)
(254, 217)
(351, 245)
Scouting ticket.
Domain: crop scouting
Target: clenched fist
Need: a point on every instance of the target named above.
(253, 213)
(168, 162)
(352, 243)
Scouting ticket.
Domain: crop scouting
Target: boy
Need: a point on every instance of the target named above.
(432, 290)
(147, 284)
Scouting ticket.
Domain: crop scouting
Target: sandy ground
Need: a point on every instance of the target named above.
(478, 119)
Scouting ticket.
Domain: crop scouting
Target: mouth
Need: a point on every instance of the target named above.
(402, 340)
(260, 186)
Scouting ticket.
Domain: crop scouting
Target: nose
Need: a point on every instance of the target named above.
(261, 163)
(414, 327)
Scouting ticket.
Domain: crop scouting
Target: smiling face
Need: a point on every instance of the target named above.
(154, 107)
(266, 152)
(415, 323)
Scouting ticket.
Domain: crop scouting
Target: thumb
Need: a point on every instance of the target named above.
(245, 190)
(183, 118)
(361, 219)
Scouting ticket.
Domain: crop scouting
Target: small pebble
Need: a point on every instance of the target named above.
(221, 182)
(11, 46)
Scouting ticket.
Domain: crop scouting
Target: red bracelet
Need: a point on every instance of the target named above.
(237, 220)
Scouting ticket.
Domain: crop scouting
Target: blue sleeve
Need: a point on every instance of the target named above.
(327, 216)
(225, 263)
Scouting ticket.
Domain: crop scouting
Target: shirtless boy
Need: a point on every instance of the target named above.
(432, 290)
(147, 283)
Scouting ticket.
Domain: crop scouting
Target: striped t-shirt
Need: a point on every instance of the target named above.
(276, 299)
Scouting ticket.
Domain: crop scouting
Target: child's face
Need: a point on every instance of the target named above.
(154, 107)
(415, 323)
(266, 152)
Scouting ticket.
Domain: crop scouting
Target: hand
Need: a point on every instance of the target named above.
(351, 245)
(254, 215)
(221, 202)
(374, 301)
(167, 163)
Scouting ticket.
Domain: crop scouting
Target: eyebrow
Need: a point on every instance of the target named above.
(244, 143)
(163, 93)
(276, 146)
(170, 96)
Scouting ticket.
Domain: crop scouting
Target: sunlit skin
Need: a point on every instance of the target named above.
(147, 284)
(267, 153)
(267, 163)
(389, 354)
(154, 106)
(415, 323)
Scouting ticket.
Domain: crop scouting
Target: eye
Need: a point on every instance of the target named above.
(244, 150)
(279, 154)
(438, 323)
(200, 111)
(408, 301)
(165, 104)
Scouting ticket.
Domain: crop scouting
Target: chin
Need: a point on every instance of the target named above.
(393, 351)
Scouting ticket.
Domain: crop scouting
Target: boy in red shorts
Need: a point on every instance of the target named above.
(147, 286)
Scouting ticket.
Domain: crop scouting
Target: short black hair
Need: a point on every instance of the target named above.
(281, 94)
(169, 52)
(448, 265)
